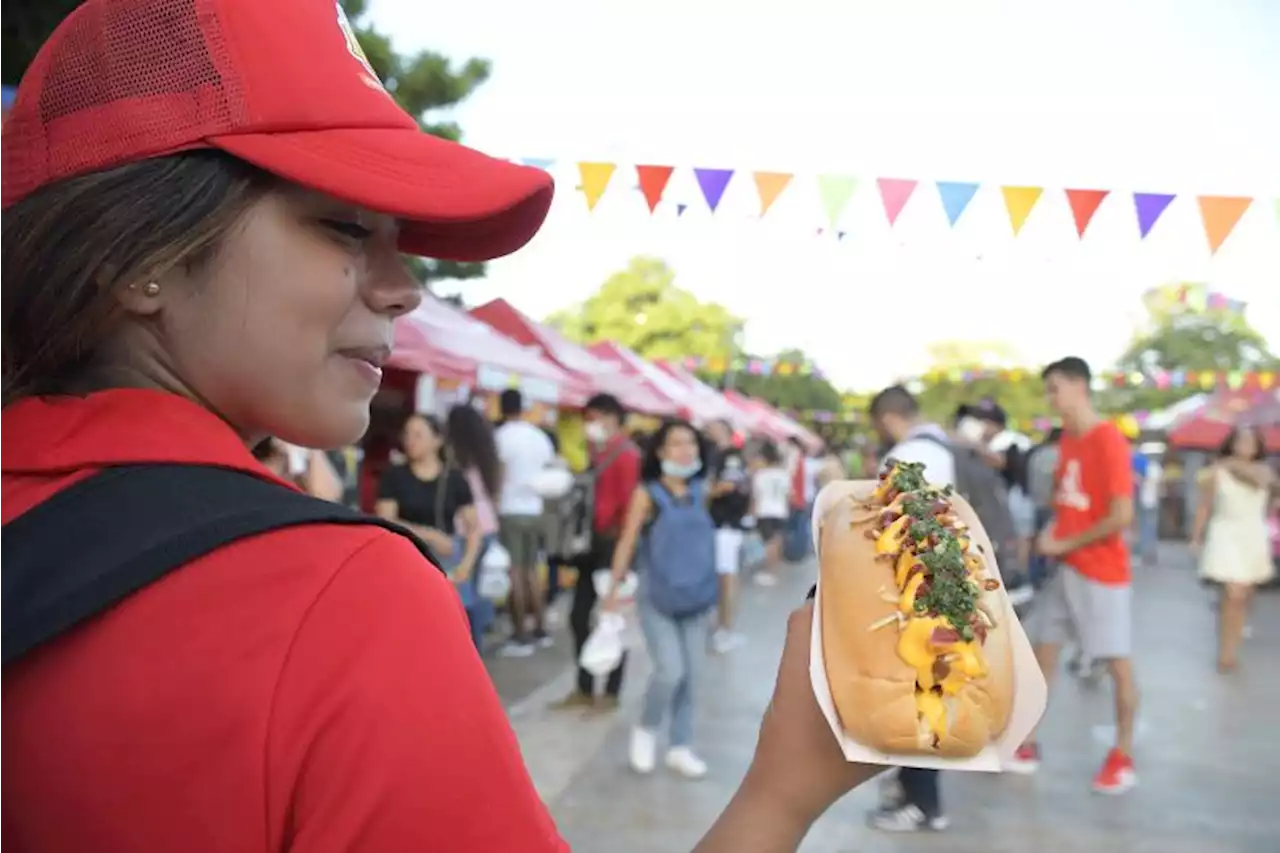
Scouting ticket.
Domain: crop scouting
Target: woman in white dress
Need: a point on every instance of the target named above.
(1230, 533)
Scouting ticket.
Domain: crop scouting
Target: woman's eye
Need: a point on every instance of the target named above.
(349, 230)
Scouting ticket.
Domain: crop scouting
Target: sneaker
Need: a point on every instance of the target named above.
(1117, 774)
(644, 750)
(605, 703)
(1020, 596)
(575, 701)
(723, 642)
(907, 818)
(517, 649)
(764, 578)
(685, 761)
(1026, 760)
(543, 640)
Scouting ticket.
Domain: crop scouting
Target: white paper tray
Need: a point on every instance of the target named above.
(1030, 691)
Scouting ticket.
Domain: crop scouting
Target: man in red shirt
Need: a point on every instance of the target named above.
(1089, 599)
(615, 465)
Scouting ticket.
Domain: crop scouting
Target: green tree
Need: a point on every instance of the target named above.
(422, 83)
(1020, 391)
(27, 23)
(1181, 335)
(801, 391)
(642, 308)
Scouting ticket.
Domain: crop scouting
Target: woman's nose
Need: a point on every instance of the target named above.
(390, 288)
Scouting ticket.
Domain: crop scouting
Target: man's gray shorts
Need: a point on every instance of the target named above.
(1073, 608)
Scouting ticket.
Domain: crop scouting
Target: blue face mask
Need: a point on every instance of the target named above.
(671, 468)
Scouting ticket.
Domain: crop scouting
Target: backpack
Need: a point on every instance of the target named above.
(569, 521)
(134, 524)
(677, 556)
(985, 490)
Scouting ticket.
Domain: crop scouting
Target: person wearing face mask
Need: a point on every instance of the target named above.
(671, 536)
(615, 469)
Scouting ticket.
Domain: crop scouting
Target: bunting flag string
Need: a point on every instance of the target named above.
(1219, 214)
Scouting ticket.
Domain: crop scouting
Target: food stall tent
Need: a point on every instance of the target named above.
(658, 380)
(602, 375)
(772, 422)
(1207, 426)
(717, 405)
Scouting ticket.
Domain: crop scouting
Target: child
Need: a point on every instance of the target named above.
(770, 489)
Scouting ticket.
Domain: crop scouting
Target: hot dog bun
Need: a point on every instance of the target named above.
(873, 688)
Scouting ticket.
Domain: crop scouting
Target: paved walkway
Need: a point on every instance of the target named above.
(1207, 749)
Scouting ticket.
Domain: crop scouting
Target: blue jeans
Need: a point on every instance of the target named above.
(798, 541)
(480, 611)
(677, 647)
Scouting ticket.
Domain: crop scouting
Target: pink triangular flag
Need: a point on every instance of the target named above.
(895, 193)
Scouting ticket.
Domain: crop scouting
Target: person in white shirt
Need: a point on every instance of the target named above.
(911, 802)
(1149, 511)
(770, 507)
(524, 451)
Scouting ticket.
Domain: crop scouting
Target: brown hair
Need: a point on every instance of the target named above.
(69, 247)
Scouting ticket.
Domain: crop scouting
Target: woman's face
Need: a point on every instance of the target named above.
(420, 440)
(1245, 445)
(680, 446)
(285, 330)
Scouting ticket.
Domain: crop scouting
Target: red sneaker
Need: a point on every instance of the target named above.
(1117, 774)
(1026, 760)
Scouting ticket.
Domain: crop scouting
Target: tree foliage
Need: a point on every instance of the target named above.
(1179, 335)
(642, 308)
(1021, 393)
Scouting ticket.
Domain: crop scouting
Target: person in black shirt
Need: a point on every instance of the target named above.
(730, 499)
(434, 501)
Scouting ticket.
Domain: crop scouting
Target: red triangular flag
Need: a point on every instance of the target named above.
(653, 182)
(895, 192)
(1084, 204)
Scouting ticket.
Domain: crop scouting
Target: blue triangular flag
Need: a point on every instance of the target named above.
(543, 163)
(955, 198)
(681, 208)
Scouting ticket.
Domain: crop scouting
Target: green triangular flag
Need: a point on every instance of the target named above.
(835, 191)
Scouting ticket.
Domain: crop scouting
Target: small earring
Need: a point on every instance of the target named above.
(151, 288)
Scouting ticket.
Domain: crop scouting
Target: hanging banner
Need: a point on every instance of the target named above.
(770, 185)
(1149, 206)
(1220, 213)
(955, 198)
(653, 183)
(713, 183)
(543, 163)
(1019, 201)
(595, 180)
(835, 192)
(1084, 204)
(895, 193)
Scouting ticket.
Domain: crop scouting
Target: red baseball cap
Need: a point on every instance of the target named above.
(282, 84)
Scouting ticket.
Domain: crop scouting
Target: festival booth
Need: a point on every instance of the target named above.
(1208, 425)
(697, 411)
(769, 421)
(443, 356)
(724, 410)
(601, 374)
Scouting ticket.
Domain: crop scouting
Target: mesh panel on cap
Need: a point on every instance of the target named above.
(122, 80)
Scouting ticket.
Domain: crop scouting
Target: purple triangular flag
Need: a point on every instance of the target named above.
(681, 208)
(1149, 207)
(840, 235)
(713, 183)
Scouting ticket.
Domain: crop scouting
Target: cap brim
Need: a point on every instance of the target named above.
(455, 203)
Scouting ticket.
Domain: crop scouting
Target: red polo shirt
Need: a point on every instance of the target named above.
(615, 483)
(313, 689)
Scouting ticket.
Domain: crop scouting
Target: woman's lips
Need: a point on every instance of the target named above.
(367, 362)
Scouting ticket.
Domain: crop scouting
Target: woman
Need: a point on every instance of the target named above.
(469, 443)
(1230, 533)
(770, 490)
(312, 688)
(432, 498)
(669, 531)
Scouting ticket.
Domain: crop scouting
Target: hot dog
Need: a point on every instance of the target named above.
(915, 627)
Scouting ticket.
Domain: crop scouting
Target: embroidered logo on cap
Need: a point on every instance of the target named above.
(353, 46)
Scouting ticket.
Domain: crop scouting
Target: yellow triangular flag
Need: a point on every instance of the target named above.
(595, 180)
(1019, 201)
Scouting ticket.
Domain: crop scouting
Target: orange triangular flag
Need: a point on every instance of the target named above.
(1019, 201)
(595, 180)
(1084, 204)
(770, 185)
(653, 183)
(1220, 213)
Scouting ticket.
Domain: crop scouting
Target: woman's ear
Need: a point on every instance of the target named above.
(142, 298)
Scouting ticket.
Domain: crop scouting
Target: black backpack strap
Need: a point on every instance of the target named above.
(98, 541)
